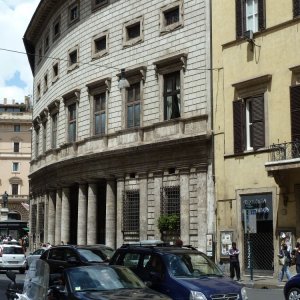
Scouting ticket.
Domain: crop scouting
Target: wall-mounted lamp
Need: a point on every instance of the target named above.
(123, 82)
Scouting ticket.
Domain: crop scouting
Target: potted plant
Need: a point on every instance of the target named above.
(168, 222)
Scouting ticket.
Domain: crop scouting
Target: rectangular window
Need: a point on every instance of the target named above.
(17, 128)
(72, 123)
(73, 58)
(14, 189)
(133, 105)
(74, 13)
(45, 83)
(171, 16)
(47, 42)
(133, 31)
(15, 167)
(249, 123)
(56, 29)
(44, 137)
(54, 131)
(54, 72)
(100, 44)
(100, 113)
(40, 54)
(131, 211)
(38, 91)
(296, 8)
(250, 15)
(172, 95)
(16, 147)
(37, 142)
(98, 3)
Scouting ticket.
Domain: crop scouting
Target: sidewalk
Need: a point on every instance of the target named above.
(262, 282)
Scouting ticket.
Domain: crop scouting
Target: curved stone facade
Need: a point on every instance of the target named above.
(108, 161)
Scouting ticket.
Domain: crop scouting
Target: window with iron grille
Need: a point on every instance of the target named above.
(131, 211)
(16, 147)
(170, 200)
(33, 218)
(41, 216)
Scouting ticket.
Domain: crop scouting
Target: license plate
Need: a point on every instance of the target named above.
(12, 262)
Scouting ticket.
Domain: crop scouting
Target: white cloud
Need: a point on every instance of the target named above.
(15, 16)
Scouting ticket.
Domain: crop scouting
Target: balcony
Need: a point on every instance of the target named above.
(283, 157)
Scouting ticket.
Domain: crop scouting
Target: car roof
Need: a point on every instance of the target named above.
(160, 249)
(11, 245)
(97, 246)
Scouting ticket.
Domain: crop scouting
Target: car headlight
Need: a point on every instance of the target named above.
(197, 296)
(244, 294)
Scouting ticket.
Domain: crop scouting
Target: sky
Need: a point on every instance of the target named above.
(15, 73)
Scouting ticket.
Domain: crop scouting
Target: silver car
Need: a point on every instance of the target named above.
(34, 256)
(12, 257)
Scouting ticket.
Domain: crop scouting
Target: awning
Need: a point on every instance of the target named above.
(25, 228)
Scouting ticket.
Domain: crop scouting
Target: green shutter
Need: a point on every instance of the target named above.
(295, 112)
(238, 126)
(258, 122)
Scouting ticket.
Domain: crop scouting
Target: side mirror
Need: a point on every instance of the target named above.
(11, 275)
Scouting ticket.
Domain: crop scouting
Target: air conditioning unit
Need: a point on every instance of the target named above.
(248, 35)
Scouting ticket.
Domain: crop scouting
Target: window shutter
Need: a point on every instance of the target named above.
(258, 122)
(296, 8)
(295, 112)
(261, 15)
(239, 18)
(238, 126)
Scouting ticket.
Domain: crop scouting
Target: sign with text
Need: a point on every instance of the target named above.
(250, 220)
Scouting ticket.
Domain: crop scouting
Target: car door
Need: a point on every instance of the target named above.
(56, 260)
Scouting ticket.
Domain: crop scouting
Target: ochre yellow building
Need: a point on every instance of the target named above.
(256, 112)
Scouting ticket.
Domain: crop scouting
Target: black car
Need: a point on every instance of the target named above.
(292, 288)
(61, 257)
(178, 272)
(101, 282)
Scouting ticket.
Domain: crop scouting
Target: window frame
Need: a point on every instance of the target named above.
(55, 77)
(241, 23)
(38, 91)
(71, 7)
(101, 86)
(54, 116)
(136, 40)
(57, 21)
(98, 6)
(46, 82)
(37, 142)
(133, 104)
(72, 66)
(72, 122)
(15, 167)
(17, 127)
(131, 213)
(97, 54)
(16, 146)
(165, 28)
(13, 187)
(47, 41)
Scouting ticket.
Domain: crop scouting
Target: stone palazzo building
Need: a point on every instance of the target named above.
(121, 120)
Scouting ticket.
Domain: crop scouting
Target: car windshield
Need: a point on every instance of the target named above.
(13, 250)
(108, 252)
(193, 265)
(91, 255)
(97, 278)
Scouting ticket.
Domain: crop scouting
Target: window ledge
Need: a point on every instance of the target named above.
(171, 28)
(73, 67)
(248, 152)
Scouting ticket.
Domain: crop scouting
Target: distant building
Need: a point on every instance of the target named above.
(108, 161)
(15, 154)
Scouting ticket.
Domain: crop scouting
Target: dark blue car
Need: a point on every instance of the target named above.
(292, 288)
(181, 273)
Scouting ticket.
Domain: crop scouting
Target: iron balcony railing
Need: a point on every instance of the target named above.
(285, 151)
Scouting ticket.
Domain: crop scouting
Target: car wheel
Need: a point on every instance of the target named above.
(22, 271)
(294, 294)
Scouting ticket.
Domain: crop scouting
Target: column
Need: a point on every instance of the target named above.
(58, 217)
(157, 187)
(143, 205)
(38, 234)
(82, 211)
(184, 207)
(45, 223)
(110, 223)
(119, 211)
(65, 215)
(51, 218)
(92, 214)
(202, 210)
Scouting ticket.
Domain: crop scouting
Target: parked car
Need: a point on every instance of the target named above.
(34, 256)
(102, 282)
(182, 273)
(12, 257)
(292, 288)
(61, 257)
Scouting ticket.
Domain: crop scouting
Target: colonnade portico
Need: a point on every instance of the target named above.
(60, 211)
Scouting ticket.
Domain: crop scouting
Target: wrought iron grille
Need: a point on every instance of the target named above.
(285, 151)
(33, 218)
(262, 251)
(131, 212)
(41, 216)
(170, 200)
